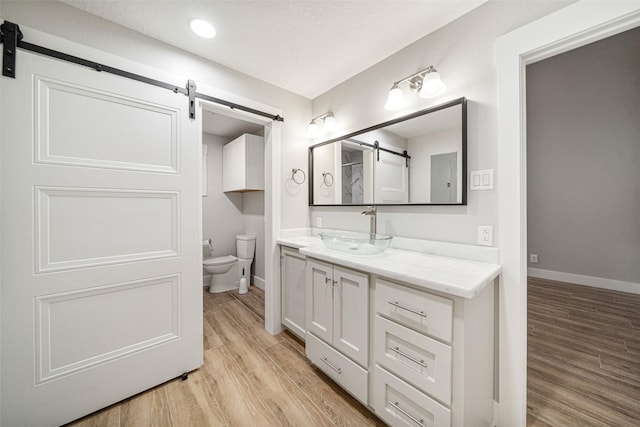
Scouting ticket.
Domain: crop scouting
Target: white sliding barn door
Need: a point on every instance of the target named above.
(391, 179)
(101, 261)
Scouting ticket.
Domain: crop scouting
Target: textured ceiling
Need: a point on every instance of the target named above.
(307, 47)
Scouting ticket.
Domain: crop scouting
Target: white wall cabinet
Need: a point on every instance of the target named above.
(292, 271)
(243, 164)
(338, 308)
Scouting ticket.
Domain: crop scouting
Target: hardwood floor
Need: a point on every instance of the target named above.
(583, 360)
(249, 378)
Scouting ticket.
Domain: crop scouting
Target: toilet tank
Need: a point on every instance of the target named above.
(207, 250)
(245, 245)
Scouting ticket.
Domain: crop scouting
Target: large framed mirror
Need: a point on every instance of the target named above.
(418, 159)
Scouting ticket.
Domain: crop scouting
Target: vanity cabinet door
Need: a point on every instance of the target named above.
(319, 301)
(292, 267)
(351, 314)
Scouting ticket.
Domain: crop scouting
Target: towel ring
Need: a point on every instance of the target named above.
(295, 176)
(327, 178)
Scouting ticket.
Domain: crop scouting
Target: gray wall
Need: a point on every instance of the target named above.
(463, 53)
(583, 148)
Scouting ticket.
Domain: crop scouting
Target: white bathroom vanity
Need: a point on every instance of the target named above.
(409, 332)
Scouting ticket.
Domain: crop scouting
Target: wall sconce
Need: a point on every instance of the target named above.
(426, 82)
(329, 125)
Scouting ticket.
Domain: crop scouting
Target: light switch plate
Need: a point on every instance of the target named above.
(481, 180)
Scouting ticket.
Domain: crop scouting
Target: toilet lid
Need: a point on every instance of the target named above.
(220, 260)
(245, 237)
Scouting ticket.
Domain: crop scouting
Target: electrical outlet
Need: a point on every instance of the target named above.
(319, 222)
(533, 258)
(485, 235)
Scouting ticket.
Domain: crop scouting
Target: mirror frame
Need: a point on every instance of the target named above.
(459, 101)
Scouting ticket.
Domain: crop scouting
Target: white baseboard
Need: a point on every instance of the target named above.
(596, 282)
(257, 282)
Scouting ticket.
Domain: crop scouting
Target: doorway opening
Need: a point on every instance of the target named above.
(576, 25)
(231, 216)
(583, 234)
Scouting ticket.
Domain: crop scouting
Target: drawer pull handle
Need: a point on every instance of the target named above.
(397, 304)
(338, 370)
(326, 280)
(413, 359)
(414, 419)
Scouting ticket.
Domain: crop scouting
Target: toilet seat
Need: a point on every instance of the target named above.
(219, 260)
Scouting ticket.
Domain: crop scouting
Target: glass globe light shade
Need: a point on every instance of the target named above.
(395, 100)
(432, 85)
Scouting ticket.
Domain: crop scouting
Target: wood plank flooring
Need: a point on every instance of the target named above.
(249, 378)
(583, 360)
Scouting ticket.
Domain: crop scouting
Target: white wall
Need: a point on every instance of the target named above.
(222, 215)
(67, 22)
(463, 53)
(421, 149)
(583, 152)
(325, 188)
(253, 223)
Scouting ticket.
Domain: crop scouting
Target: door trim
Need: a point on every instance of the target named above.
(272, 203)
(574, 26)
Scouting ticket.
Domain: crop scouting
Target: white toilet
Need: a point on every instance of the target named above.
(226, 271)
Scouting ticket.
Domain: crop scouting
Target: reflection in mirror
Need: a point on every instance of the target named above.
(417, 159)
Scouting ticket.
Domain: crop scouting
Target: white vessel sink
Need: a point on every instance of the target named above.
(354, 243)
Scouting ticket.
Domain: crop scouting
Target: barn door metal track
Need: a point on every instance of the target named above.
(11, 37)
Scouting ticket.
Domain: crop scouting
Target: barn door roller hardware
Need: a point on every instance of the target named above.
(11, 38)
(376, 146)
(10, 34)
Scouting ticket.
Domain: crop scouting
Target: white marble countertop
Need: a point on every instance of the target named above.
(299, 241)
(453, 276)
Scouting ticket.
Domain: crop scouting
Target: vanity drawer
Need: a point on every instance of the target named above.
(418, 359)
(399, 404)
(422, 311)
(339, 368)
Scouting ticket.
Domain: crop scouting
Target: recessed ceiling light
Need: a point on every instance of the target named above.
(202, 28)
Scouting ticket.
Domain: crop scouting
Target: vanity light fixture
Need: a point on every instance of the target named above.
(328, 121)
(202, 28)
(426, 82)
